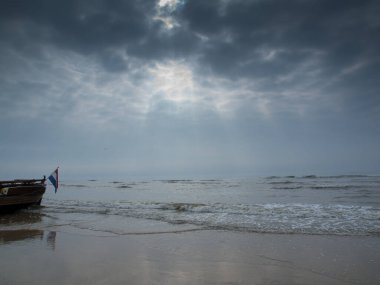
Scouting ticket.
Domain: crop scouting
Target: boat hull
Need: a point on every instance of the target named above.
(20, 194)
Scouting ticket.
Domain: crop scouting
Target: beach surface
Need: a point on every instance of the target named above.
(150, 252)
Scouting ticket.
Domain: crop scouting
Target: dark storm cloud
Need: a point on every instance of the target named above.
(100, 28)
(331, 46)
(87, 27)
(324, 45)
(83, 25)
(346, 31)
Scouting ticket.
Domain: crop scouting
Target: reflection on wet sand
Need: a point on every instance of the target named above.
(51, 239)
(7, 237)
(24, 226)
(24, 235)
(21, 217)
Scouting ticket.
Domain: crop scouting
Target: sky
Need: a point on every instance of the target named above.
(176, 88)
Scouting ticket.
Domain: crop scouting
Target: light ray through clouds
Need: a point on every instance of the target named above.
(173, 87)
(174, 81)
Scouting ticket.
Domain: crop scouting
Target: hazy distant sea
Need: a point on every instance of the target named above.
(313, 205)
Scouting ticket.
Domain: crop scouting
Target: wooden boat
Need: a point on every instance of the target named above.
(18, 194)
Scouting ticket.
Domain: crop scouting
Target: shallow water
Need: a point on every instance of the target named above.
(332, 205)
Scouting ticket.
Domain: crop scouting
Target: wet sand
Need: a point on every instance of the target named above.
(152, 253)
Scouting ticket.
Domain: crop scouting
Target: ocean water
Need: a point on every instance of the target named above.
(312, 205)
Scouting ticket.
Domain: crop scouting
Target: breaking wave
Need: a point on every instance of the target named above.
(264, 218)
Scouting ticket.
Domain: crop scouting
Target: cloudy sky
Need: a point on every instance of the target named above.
(175, 88)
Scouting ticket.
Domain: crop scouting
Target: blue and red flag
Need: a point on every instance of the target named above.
(54, 179)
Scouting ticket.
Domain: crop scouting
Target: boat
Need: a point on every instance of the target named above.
(18, 194)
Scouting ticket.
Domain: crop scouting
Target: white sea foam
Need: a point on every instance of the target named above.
(339, 205)
(269, 218)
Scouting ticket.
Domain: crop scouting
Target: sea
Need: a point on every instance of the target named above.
(309, 205)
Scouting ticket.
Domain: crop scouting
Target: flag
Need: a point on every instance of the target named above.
(54, 179)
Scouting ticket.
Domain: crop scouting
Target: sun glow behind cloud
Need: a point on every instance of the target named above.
(83, 93)
(174, 82)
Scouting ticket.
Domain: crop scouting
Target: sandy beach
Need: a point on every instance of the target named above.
(150, 252)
